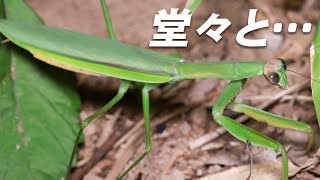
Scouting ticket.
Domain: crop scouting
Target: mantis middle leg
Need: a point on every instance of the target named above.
(146, 114)
(145, 95)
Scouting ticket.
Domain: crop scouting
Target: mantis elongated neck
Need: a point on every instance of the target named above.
(228, 70)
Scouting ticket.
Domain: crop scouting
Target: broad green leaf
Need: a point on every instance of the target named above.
(38, 109)
(315, 71)
(192, 5)
(19, 11)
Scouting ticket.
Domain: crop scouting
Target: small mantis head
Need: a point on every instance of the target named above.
(275, 73)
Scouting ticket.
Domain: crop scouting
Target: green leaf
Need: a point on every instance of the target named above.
(315, 71)
(38, 109)
(19, 11)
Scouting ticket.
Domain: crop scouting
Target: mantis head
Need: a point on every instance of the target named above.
(275, 72)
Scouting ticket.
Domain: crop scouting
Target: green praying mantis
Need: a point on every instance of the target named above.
(96, 56)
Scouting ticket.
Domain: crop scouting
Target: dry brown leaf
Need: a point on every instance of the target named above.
(309, 164)
(298, 157)
(175, 175)
(107, 127)
(265, 171)
(124, 156)
(213, 146)
(91, 176)
(225, 158)
(316, 170)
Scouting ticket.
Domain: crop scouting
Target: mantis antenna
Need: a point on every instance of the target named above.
(292, 60)
(304, 76)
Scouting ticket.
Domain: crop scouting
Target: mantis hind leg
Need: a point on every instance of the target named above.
(242, 132)
(122, 90)
(146, 114)
(107, 19)
(276, 121)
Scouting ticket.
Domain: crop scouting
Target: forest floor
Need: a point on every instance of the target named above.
(187, 144)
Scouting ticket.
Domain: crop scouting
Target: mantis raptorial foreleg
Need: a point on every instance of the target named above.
(276, 121)
(122, 90)
(246, 134)
(146, 114)
(240, 131)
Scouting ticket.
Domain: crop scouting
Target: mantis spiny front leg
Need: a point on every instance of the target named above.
(276, 121)
(244, 133)
(240, 131)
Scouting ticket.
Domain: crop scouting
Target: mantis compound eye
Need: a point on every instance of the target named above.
(275, 72)
(274, 77)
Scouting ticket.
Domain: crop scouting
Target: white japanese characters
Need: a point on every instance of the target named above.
(170, 28)
(252, 25)
(213, 20)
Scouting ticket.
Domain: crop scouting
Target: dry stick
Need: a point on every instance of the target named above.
(297, 98)
(98, 155)
(108, 127)
(197, 143)
(140, 124)
(109, 143)
(132, 137)
(129, 134)
(104, 135)
(5, 41)
(301, 98)
(125, 156)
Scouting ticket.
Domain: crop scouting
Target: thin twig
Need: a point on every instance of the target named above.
(124, 156)
(132, 137)
(116, 137)
(140, 124)
(107, 131)
(108, 127)
(283, 99)
(98, 155)
(5, 41)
